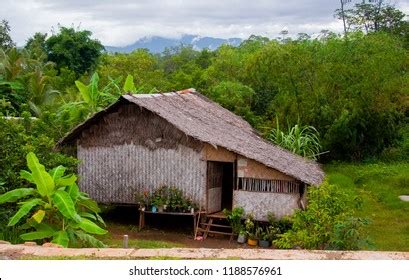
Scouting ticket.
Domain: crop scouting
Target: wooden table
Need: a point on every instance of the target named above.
(194, 215)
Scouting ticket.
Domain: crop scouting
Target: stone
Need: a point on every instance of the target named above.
(52, 245)
(4, 242)
(404, 198)
(30, 243)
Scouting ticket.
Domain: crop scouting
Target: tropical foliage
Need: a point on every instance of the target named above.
(73, 49)
(301, 140)
(55, 209)
(329, 222)
(345, 96)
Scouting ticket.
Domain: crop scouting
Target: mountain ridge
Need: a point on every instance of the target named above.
(157, 44)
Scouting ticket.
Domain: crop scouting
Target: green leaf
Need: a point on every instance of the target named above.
(39, 216)
(73, 191)
(99, 219)
(84, 91)
(64, 204)
(37, 235)
(43, 227)
(61, 238)
(129, 85)
(89, 204)
(25, 208)
(93, 88)
(43, 180)
(27, 175)
(88, 215)
(57, 172)
(91, 227)
(89, 239)
(14, 195)
(66, 181)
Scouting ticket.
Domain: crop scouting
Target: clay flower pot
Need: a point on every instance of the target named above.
(252, 242)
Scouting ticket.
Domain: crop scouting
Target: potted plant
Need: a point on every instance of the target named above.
(268, 236)
(264, 240)
(142, 200)
(158, 202)
(242, 237)
(234, 218)
(250, 231)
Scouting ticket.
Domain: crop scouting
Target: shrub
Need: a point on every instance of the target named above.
(57, 210)
(234, 218)
(329, 222)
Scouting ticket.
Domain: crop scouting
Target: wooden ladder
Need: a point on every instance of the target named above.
(207, 226)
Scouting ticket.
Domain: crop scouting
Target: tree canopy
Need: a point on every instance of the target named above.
(73, 49)
(5, 40)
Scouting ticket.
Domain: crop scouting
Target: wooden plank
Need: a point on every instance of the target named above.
(219, 232)
(173, 213)
(215, 225)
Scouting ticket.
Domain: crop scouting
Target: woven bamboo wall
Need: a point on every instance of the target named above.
(132, 151)
(115, 174)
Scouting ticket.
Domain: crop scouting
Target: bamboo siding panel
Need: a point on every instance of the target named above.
(114, 174)
(274, 186)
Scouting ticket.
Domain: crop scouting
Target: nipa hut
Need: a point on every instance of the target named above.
(183, 139)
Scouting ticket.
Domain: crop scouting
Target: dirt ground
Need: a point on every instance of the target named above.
(185, 239)
(175, 229)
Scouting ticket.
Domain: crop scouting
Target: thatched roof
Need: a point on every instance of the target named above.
(206, 121)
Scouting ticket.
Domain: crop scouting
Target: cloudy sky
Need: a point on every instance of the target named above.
(121, 22)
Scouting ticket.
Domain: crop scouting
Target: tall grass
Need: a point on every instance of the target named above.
(301, 140)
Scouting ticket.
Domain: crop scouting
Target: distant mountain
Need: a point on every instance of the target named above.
(158, 44)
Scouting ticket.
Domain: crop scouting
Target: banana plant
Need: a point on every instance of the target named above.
(55, 209)
(94, 98)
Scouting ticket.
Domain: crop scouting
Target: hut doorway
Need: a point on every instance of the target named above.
(220, 179)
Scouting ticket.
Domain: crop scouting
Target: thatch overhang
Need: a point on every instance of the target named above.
(208, 122)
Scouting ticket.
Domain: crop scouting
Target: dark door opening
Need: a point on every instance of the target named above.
(220, 180)
(227, 188)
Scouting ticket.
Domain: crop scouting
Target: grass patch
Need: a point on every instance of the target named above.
(116, 241)
(379, 186)
(142, 244)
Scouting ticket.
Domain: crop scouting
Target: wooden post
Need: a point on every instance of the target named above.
(141, 219)
(194, 222)
(125, 241)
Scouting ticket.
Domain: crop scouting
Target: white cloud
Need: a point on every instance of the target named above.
(122, 22)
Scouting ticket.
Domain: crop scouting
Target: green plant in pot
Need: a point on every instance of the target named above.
(234, 217)
(250, 231)
(158, 202)
(142, 199)
(267, 236)
(242, 236)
